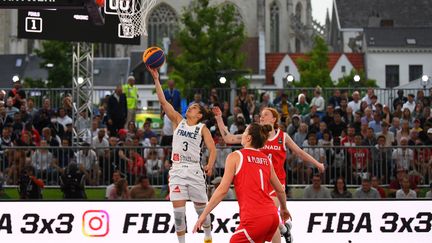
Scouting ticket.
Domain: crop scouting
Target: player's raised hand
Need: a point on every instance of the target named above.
(154, 73)
(217, 111)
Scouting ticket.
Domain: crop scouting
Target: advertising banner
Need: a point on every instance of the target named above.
(133, 221)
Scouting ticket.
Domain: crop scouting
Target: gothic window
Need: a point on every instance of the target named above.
(298, 11)
(162, 22)
(274, 27)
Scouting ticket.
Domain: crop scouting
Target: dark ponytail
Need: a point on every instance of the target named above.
(259, 134)
(206, 114)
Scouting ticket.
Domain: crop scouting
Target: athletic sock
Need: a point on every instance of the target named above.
(182, 239)
(207, 232)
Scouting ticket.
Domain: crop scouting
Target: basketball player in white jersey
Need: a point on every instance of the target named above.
(187, 178)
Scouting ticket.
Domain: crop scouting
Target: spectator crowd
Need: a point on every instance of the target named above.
(360, 140)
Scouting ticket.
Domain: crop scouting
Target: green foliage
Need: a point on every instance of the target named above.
(60, 55)
(314, 70)
(210, 41)
(348, 81)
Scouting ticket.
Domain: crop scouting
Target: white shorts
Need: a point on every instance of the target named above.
(187, 182)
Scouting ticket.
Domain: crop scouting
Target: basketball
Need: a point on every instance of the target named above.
(154, 57)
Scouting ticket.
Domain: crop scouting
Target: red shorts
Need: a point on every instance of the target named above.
(256, 230)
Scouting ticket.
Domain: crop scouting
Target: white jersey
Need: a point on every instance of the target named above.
(187, 143)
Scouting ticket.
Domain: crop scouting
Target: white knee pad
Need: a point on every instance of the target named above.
(180, 218)
(200, 210)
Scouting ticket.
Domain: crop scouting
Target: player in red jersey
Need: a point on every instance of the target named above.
(275, 148)
(253, 175)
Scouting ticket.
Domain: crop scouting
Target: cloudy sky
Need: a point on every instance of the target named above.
(319, 8)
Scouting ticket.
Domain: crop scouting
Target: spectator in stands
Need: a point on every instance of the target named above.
(404, 132)
(314, 124)
(398, 111)
(382, 160)
(172, 95)
(43, 116)
(45, 164)
(30, 187)
(423, 161)
(337, 126)
(17, 125)
(116, 111)
(335, 99)
(221, 154)
(401, 99)
(316, 190)
(366, 191)
(360, 159)
(148, 133)
(426, 115)
(131, 92)
(167, 131)
(5, 120)
(410, 104)
(63, 118)
(132, 129)
(368, 97)
(349, 116)
(429, 193)
(17, 94)
(355, 103)
(5, 144)
(213, 101)
(283, 107)
(232, 118)
(302, 106)
(417, 126)
(68, 132)
(244, 101)
(405, 192)
(67, 104)
(198, 100)
(348, 140)
(375, 183)
(65, 154)
(364, 128)
(395, 126)
(357, 121)
(318, 101)
(278, 97)
(294, 125)
(25, 116)
(328, 117)
(154, 146)
(88, 164)
(429, 137)
(318, 153)
(386, 114)
(57, 129)
(116, 176)
(416, 114)
(368, 117)
(154, 167)
(227, 113)
(403, 157)
(238, 123)
(103, 117)
(301, 134)
(216, 182)
(120, 191)
(322, 128)
(83, 124)
(10, 108)
(265, 102)
(135, 164)
(389, 136)
(142, 190)
(369, 139)
(340, 189)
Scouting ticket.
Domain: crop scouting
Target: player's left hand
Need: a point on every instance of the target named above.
(285, 215)
(208, 170)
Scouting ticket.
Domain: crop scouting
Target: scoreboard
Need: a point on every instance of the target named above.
(73, 24)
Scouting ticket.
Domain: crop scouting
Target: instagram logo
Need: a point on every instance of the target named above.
(95, 223)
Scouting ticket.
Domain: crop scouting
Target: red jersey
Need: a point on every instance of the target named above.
(252, 182)
(276, 150)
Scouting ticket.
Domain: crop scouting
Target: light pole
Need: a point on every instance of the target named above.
(424, 81)
(356, 79)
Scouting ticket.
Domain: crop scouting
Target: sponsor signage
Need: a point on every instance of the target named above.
(313, 221)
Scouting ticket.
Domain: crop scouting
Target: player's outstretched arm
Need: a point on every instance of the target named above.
(280, 193)
(222, 190)
(226, 135)
(302, 154)
(209, 142)
(172, 114)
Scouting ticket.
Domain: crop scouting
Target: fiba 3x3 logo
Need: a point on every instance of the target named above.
(113, 6)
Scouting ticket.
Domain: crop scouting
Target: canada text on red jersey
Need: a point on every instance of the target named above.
(252, 182)
(275, 149)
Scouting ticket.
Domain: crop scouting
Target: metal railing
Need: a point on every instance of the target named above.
(99, 163)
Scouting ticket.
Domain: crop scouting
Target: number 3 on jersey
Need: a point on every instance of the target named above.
(185, 146)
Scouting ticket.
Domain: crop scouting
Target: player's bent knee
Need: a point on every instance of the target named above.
(179, 219)
(200, 209)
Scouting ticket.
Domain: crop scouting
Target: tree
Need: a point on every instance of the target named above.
(313, 69)
(348, 81)
(210, 41)
(58, 54)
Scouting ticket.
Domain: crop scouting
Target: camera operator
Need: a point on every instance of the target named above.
(72, 182)
(29, 186)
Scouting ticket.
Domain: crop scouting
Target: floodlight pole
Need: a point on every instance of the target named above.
(82, 87)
